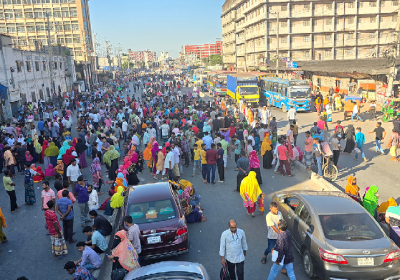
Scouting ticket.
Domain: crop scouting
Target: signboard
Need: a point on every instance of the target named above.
(294, 64)
(289, 64)
(262, 67)
(284, 59)
(298, 83)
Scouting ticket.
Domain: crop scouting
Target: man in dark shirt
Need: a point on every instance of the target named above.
(396, 124)
(284, 248)
(220, 163)
(211, 157)
(380, 134)
(100, 223)
(243, 167)
(20, 151)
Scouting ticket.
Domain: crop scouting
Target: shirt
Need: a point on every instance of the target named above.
(224, 145)
(7, 184)
(232, 245)
(88, 254)
(102, 224)
(379, 132)
(309, 144)
(70, 195)
(282, 152)
(273, 220)
(220, 156)
(284, 247)
(47, 196)
(82, 273)
(176, 154)
(243, 163)
(99, 240)
(134, 236)
(203, 156)
(208, 141)
(63, 204)
(83, 195)
(335, 144)
(237, 147)
(169, 158)
(197, 154)
(211, 157)
(73, 172)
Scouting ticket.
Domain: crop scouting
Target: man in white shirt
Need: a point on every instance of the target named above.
(169, 164)
(272, 219)
(355, 112)
(73, 172)
(177, 154)
(151, 131)
(124, 128)
(291, 114)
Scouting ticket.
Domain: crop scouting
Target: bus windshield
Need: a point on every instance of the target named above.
(221, 82)
(299, 92)
(248, 90)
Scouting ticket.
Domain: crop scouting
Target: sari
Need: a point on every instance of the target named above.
(125, 252)
(154, 153)
(266, 152)
(250, 191)
(95, 169)
(254, 165)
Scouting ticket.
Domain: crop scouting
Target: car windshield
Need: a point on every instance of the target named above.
(152, 211)
(248, 90)
(299, 92)
(346, 227)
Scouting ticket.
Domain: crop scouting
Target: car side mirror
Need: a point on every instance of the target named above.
(310, 229)
(282, 200)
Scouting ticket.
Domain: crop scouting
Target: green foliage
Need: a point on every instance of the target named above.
(215, 59)
(66, 53)
(125, 65)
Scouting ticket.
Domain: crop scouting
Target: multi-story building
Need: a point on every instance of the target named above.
(202, 51)
(69, 20)
(308, 30)
(25, 76)
(145, 56)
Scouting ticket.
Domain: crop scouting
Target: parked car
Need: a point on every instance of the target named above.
(337, 237)
(172, 270)
(156, 209)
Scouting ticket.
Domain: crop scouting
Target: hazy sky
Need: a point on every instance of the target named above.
(158, 25)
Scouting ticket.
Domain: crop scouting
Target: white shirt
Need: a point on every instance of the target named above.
(253, 142)
(232, 245)
(125, 126)
(93, 200)
(291, 114)
(355, 109)
(176, 154)
(169, 158)
(73, 172)
(273, 220)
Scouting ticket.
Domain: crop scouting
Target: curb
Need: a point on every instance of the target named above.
(324, 184)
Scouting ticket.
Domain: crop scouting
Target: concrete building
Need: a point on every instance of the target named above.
(26, 22)
(26, 76)
(308, 30)
(202, 51)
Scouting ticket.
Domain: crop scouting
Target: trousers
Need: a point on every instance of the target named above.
(68, 229)
(239, 270)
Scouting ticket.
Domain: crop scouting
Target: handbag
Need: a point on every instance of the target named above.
(224, 273)
(119, 274)
(357, 151)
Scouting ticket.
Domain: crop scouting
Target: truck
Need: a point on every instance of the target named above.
(243, 86)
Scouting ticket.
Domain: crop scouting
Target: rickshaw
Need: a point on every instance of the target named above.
(349, 105)
(390, 109)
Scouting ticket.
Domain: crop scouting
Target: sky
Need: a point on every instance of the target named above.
(157, 25)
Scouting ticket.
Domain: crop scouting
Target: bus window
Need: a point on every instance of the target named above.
(279, 89)
(275, 89)
(284, 91)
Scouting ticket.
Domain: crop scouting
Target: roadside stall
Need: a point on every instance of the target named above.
(390, 109)
(349, 102)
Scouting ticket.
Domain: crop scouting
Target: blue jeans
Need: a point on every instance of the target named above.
(378, 145)
(319, 163)
(276, 268)
(355, 115)
(197, 164)
(89, 266)
(362, 153)
(89, 151)
(271, 245)
(212, 169)
(196, 200)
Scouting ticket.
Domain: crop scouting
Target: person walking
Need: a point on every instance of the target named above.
(272, 219)
(283, 156)
(212, 158)
(243, 166)
(291, 115)
(393, 144)
(232, 249)
(336, 148)
(9, 186)
(360, 140)
(250, 191)
(355, 112)
(58, 246)
(81, 192)
(285, 257)
(380, 134)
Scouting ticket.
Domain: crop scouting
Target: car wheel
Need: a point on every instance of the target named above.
(307, 264)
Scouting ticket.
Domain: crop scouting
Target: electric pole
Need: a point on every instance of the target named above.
(95, 55)
(395, 50)
(277, 43)
(108, 55)
(50, 52)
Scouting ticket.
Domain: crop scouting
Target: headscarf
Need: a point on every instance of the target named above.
(122, 176)
(125, 252)
(127, 164)
(110, 155)
(253, 160)
(117, 200)
(134, 158)
(80, 147)
(152, 139)
(350, 188)
(95, 166)
(385, 205)
(250, 187)
(52, 150)
(49, 172)
(44, 147)
(155, 149)
(35, 139)
(147, 152)
(21, 139)
(186, 193)
(266, 144)
(74, 142)
(67, 157)
(370, 201)
(63, 149)
(164, 150)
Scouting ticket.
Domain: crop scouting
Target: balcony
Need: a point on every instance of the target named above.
(256, 19)
(229, 59)
(256, 4)
(256, 34)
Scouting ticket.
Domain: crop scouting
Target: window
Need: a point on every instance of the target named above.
(394, 18)
(28, 14)
(164, 208)
(58, 26)
(28, 66)
(11, 29)
(27, 1)
(328, 21)
(38, 13)
(75, 25)
(394, 3)
(329, 6)
(64, 12)
(283, 24)
(382, 3)
(372, 19)
(360, 4)
(349, 36)
(56, 12)
(19, 65)
(20, 27)
(328, 53)
(284, 8)
(350, 5)
(302, 212)
(284, 40)
(8, 14)
(306, 7)
(44, 65)
(84, 12)
(83, 2)
(306, 54)
(73, 12)
(39, 27)
(350, 20)
(306, 23)
(76, 39)
(371, 35)
(3, 28)
(67, 27)
(18, 14)
(47, 12)
(328, 37)
(306, 38)
(349, 52)
(7, 2)
(373, 4)
(37, 68)
(314, 22)
(16, 2)
(30, 27)
(55, 65)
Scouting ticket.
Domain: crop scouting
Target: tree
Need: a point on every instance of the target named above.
(215, 59)
(125, 65)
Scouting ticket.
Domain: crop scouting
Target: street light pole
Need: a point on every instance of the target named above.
(395, 50)
(50, 52)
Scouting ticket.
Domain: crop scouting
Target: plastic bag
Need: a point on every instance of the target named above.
(357, 151)
(224, 273)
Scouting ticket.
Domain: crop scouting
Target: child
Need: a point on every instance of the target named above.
(28, 157)
(197, 160)
(60, 167)
(39, 175)
(261, 204)
(203, 162)
(49, 173)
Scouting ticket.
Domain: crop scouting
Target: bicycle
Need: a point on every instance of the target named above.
(330, 171)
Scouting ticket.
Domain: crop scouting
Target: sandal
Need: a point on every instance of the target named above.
(264, 260)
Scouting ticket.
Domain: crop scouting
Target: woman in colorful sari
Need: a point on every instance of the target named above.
(123, 253)
(58, 246)
(154, 153)
(45, 158)
(255, 166)
(52, 152)
(249, 191)
(370, 201)
(148, 157)
(95, 169)
(80, 149)
(266, 152)
(110, 158)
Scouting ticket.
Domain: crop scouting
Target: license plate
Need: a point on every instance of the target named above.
(152, 240)
(365, 261)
